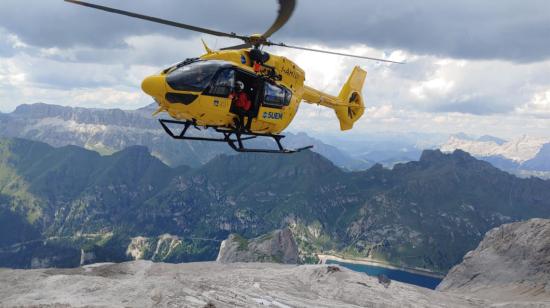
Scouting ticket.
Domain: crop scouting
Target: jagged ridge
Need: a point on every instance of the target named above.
(426, 213)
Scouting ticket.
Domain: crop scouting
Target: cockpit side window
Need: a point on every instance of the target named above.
(288, 96)
(222, 84)
(193, 77)
(276, 96)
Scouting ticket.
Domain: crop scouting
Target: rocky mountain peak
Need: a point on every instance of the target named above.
(519, 149)
(431, 155)
(512, 261)
(541, 162)
(84, 116)
(111, 130)
(437, 156)
(306, 163)
(489, 138)
(39, 110)
(134, 150)
(278, 246)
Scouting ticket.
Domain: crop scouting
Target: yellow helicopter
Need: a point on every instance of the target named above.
(242, 92)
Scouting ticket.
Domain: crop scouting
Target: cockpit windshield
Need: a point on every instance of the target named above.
(194, 76)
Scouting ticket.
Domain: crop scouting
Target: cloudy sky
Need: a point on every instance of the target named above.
(480, 67)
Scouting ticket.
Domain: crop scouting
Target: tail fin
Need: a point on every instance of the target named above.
(353, 107)
(348, 105)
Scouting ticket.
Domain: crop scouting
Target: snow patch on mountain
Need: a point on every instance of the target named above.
(519, 150)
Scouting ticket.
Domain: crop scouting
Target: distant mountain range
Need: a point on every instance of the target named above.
(386, 148)
(61, 205)
(109, 130)
(518, 150)
(523, 156)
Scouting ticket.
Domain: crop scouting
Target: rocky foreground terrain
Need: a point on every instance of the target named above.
(510, 268)
(511, 263)
(148, 284)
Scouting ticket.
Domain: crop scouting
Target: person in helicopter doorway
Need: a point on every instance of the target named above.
(243, 104)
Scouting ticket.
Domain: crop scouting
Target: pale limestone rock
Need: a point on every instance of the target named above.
(278, 246)
(511, 263)
(148, 284)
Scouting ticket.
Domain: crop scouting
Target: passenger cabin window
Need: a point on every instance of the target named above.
(222, 84)
(194, 76)
(276, 96)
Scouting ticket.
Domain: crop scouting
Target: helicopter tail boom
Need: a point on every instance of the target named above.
(348, 105)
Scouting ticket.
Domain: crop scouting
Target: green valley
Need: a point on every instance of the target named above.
(68, 202)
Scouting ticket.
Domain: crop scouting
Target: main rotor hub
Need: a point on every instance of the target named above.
(256, 39)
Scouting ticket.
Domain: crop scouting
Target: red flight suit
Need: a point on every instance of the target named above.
(242, 101)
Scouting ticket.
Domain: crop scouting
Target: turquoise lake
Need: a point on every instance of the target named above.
(393, 274)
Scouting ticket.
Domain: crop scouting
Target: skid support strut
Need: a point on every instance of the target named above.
(233, 137)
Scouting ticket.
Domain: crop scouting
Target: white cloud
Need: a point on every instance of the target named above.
(11, 75)
(436, 87)
(119, 97)
(15, 41)
(109, 97)
(29, 79)
(381, 112)
(428, 94)
(538, 106)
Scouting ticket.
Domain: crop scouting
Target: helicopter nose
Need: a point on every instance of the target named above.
(153, 86)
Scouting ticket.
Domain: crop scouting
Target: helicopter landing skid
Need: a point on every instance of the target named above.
(233, 137)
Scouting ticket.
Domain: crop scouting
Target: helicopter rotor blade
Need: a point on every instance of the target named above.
(157, 20)
(286, 8)
(241, 46)
(331, 52)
